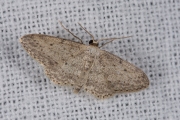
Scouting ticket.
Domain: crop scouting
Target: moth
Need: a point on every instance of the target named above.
(82, 66)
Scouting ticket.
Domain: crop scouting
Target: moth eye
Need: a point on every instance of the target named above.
(91, 41)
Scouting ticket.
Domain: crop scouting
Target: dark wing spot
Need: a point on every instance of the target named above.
(120, 61)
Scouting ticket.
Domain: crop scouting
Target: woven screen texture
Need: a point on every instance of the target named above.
(26, 93)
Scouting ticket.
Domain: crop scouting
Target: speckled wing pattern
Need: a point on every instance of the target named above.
(84, 67)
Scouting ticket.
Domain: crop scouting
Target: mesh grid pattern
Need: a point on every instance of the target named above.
(26, 92)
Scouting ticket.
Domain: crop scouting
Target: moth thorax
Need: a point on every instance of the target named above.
(94, 43)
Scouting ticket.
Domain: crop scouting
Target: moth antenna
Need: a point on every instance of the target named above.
(87, 31)
(111, 39)
(70, 32)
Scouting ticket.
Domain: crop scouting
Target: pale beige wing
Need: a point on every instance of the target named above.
(110, 74)
(62, 59)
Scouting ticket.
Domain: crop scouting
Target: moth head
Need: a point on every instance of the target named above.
(94, 43)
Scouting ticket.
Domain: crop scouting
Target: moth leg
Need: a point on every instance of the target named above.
(111, 39)
(86, 31)
(70, 32)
